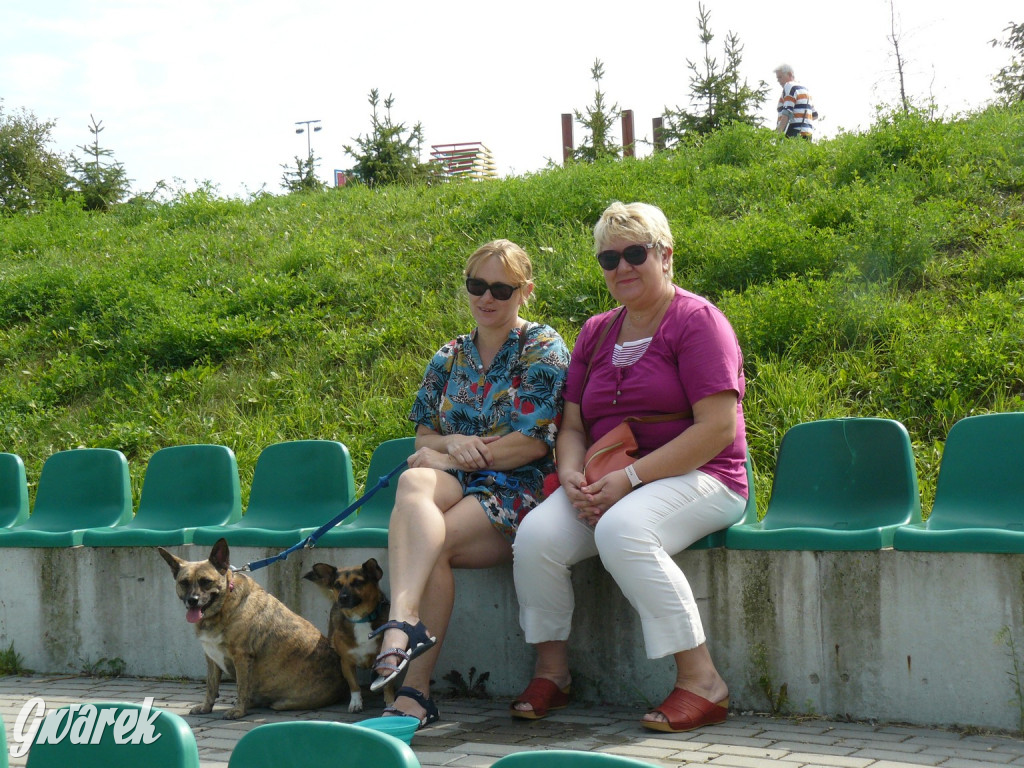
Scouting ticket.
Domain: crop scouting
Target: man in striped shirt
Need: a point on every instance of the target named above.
(796, 112)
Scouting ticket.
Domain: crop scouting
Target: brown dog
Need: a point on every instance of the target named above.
(278, 659)
(357, 606)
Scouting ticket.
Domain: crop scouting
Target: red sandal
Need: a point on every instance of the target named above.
(686, 711)
(543, 695)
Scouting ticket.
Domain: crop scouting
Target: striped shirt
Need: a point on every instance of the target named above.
(629, 352)
(795, 103)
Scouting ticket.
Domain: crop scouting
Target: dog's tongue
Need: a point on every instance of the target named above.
(193, 615)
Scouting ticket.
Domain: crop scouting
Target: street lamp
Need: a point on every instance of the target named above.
(312, 126)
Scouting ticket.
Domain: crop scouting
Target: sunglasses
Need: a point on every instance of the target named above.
(633, 254)
(500, 291)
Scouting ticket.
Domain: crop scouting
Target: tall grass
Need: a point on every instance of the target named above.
(875, 274)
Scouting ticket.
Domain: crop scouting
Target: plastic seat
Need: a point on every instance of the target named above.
(320, 744)
(78, 489)
(369, 526)
(717, 539)
(3, 744)
(173, 747)
(185, 487)
(566, 758)
(979, 497)
(840, 484)
(297, 486)
(13, 491)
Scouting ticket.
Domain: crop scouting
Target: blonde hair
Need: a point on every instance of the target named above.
(511, 256)
(639, 222)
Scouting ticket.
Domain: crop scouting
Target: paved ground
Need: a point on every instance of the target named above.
(474, 733)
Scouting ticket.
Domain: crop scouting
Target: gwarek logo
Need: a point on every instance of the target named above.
(82, 724)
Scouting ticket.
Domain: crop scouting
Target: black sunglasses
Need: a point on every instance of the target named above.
(500, 291)
(633, 254)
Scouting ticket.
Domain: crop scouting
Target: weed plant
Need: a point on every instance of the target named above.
(873, 274)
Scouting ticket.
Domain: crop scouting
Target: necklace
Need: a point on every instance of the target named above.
(655, 316)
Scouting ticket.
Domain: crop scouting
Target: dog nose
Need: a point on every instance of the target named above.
(192, 601)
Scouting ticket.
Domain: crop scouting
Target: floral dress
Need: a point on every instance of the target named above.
(521, 392)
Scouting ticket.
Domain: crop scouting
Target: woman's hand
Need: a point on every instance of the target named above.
(468, 452)
(428, 458)
(594, 499)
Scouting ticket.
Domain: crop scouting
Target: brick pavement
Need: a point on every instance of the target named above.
(473, 733)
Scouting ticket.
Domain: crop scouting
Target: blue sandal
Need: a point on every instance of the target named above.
(419, 642)
(431, 716)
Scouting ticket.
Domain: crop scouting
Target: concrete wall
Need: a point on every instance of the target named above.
(899, 636)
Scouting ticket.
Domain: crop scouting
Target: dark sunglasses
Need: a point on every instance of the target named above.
(633, 254)
(500, 291)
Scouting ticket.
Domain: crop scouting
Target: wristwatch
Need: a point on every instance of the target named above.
(634, 480)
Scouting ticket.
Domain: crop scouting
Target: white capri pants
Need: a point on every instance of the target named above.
(636, 539)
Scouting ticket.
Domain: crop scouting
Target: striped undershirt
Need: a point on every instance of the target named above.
(629, 352)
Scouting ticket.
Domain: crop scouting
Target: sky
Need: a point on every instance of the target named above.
(206, 91)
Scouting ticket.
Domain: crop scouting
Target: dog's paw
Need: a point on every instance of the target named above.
(234, 713)
(201, 709)
(355, 704)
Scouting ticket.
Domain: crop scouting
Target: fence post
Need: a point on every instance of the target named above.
(627, 133)
(567, 144)
(658, 130)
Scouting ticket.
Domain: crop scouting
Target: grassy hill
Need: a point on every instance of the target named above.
(878, 274)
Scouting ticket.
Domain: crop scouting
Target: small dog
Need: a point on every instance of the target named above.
(278, 659)
(357, 606)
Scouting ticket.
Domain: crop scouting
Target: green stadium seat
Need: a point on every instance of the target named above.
(297, 486)
(78, 489)
(840, 484)
(13, 491)
(566, 758)
(369, 526)
(185, 487)
(320, 744)
(979, 497)
(173, 747)
(717, 539)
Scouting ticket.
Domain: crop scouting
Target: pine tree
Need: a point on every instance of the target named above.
(1010, 80)
(718, 94)
(101, 182)
(303, 177)
(598, 122)
(390, 153)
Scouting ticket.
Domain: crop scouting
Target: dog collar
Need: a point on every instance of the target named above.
(372, 616)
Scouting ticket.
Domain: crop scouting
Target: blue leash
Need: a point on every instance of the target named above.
(310, 541)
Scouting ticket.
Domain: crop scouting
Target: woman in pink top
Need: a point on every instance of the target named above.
(663, 351)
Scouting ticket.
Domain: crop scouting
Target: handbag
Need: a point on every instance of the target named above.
(616, 449)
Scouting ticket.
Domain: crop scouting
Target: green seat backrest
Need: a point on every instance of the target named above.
(3, 744)
(566, 758)
(189, 486)
(376, 512)
(299, 484)
(981, 476)
(320, 744)
(174, 747)
(13, 491)
(82, 488)
(844, 474)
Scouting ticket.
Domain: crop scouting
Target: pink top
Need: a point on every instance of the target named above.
(693, 354)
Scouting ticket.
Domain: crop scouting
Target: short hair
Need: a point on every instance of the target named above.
(640, 222)
(512, 257)
(784, 69)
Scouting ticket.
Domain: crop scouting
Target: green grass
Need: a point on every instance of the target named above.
(875, 274)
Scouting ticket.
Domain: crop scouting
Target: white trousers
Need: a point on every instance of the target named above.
(636, 539)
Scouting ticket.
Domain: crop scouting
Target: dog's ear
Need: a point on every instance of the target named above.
(372, 571)
(322, 574)
(219, 556)
(174, 562)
